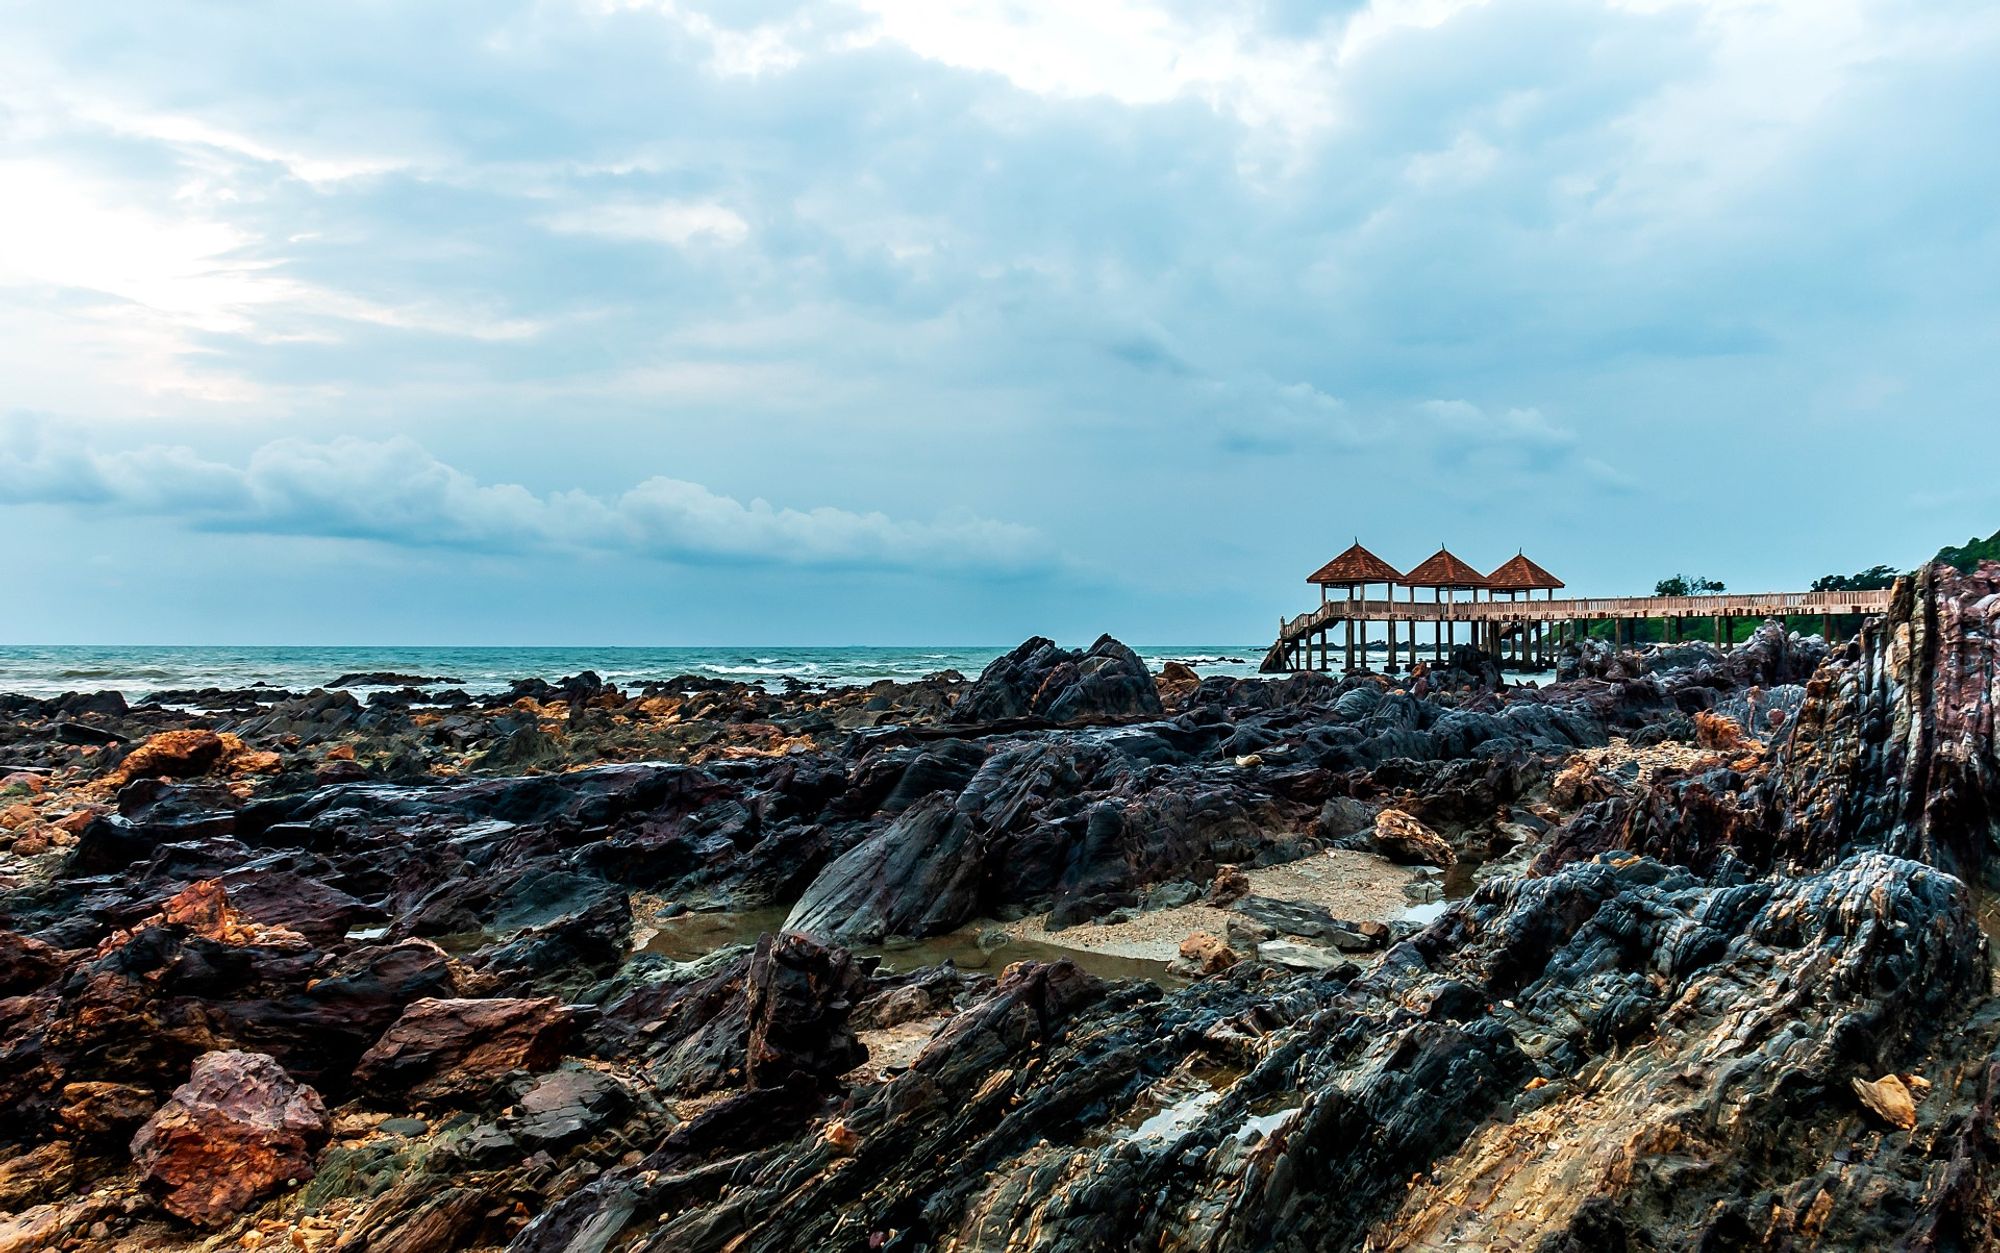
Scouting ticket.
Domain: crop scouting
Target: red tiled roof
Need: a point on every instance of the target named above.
(1442, 569)
(1353, 568)
(1521, 575)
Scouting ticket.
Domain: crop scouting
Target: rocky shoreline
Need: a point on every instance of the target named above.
(1679, 950)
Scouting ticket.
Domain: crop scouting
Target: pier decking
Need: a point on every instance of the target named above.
(1536, 627)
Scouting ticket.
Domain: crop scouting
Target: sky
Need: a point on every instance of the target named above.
(917, 321)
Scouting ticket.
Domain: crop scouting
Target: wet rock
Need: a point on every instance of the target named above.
(1312, 922)
(797, 997)
(384, 678)
(567, 1106)
(239, 1129)
(919, 876)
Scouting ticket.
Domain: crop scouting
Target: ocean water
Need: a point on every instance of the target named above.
(48, 670)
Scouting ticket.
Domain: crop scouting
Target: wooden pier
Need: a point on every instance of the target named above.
(1520, 631)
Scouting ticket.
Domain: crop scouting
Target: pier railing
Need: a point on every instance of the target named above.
(1729, 605)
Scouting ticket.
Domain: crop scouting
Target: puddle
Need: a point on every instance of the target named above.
(690, 936)
(1257, 1126)
(1172, 1106)
(695, 935)
(1175, 1118)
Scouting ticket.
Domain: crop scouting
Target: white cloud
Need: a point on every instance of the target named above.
(394, 492)
(679, 223)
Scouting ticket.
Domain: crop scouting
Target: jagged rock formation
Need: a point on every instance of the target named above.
(1549, 1061)
(1894, 746)
(1739, 1001)
(1107, 681)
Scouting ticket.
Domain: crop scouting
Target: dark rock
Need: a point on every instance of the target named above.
(566, 1106)
(920, 875)
(383, 678)
(1108, 681)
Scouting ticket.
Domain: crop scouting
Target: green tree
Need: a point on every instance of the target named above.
(1871, 579)
(1683, 585)
(1975, 551)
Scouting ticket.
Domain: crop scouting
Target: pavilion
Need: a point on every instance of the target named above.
(1519, 577)
(1444, 573)
(1357, 568)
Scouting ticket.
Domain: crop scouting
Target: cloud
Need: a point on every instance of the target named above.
(666, 222)
(1189, 280)
(394, 492)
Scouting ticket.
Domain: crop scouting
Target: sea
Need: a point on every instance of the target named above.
(139, 671)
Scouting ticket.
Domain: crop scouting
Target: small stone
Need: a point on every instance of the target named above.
(1402, 838)
(1205, 954)
(1230, 884)
(1889, 1099)
(1293, 955)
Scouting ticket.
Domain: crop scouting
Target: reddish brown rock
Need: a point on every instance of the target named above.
(1205, 954)
(237, 1130)
(99, 1108)
(442, 1049)
(203, 908)
(26, 963)
(1230, 884)
(1719, 732)
(172, 754)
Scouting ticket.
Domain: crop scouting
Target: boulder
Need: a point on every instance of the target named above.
(237, 1130)
(441, 1050)
(172, 754)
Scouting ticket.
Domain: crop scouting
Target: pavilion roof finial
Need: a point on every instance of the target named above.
(1520, 574)
(1355, 568)
(1442, 569)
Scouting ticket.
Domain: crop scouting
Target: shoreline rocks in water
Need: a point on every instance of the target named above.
(299, 970)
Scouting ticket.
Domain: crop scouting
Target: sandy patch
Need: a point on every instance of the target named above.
(1355, 887)
(893, 1047)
